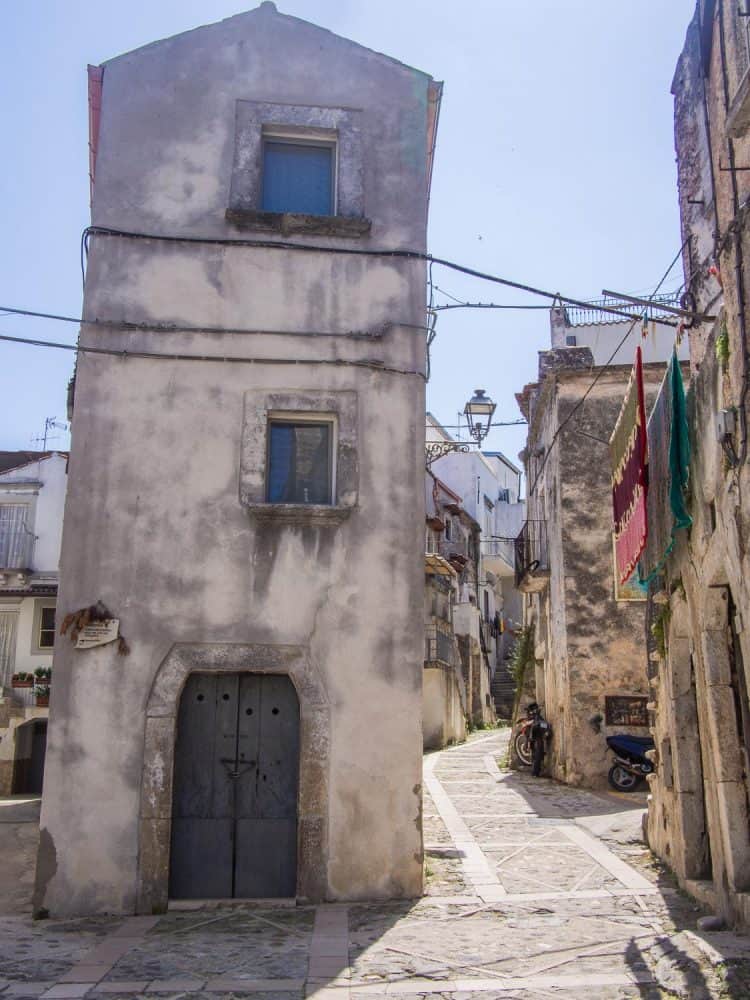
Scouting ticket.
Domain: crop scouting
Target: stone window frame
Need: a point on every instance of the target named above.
(261, 407)
(40, 603)
(155, 817)
(341, 126)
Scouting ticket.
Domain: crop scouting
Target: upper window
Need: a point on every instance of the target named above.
(46, 638)
(300, 462)
(298, 177)
(15, 537)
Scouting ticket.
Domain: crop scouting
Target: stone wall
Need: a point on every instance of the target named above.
(589, 644)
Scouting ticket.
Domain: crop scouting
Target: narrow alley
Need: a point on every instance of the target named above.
(533, 890)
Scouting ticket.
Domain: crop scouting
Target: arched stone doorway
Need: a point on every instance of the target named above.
(158, 759)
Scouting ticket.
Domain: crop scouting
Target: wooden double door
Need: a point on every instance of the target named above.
(236, 778)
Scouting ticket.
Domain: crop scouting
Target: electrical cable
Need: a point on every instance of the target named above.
(599, 374)
(113, 352)
(348, 251)
(114, 324)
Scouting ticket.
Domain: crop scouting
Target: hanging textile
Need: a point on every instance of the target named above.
(628, 453)
(669, 463)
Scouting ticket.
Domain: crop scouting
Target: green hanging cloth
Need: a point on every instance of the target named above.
(668, 472)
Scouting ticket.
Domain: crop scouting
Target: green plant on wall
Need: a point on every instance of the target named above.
(660, 630)
(722, 347)
(522, 656)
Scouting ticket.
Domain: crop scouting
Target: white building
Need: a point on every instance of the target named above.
(32, 498)
(489, 486)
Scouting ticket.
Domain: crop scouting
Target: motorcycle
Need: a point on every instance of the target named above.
(533, 734)
(631, 764)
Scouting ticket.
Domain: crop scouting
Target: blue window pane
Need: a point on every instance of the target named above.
(299, 463)
(297, 178)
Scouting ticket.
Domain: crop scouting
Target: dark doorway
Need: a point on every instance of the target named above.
(234, 806)
(30, 751)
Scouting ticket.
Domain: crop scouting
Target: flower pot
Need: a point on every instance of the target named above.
(42, 701)
(21, 684)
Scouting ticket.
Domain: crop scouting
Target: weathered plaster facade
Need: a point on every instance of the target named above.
(589, 645)
(167, 520)
(33, 485)
(698, 817)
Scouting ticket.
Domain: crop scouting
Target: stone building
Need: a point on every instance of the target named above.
(488, 486)
(32, 497)
(248, 504)
(698, 817)
(451, 551)
(589, 651)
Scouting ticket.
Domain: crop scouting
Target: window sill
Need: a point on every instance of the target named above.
(292, 223)
(298, 513)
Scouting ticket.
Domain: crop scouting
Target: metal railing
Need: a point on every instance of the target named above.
(458, 547)
(502, 547)
(438, 642)
(580, 316)
(531, 550)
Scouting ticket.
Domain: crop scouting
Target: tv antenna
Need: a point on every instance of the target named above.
(50, 423)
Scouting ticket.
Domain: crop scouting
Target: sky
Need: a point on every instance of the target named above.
(554, 166)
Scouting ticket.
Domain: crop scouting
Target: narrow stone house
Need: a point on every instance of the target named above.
(589, 660)
(246, 491)
(450, 552)
(32, 497)
(698, 817)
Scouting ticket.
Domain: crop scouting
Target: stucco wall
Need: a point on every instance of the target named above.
(588, 644)
(154, 524)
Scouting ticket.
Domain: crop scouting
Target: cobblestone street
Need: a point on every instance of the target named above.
(532, 890)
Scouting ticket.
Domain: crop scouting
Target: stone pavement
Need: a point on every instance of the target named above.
(532, 890)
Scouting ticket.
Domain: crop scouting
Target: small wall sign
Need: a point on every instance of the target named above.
(625, 710)
(98, 633)
(94, 626)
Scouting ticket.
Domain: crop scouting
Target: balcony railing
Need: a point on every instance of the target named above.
(438, 642)
(532, 557)
(450, 549)
(593, 313)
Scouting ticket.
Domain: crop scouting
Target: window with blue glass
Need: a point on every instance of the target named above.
(299, 462)
(298, 177)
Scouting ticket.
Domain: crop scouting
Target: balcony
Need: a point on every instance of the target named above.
(438, 643)
(497, 555)
(532, 558)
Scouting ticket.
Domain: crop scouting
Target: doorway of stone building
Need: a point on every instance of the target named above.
(30, 751)
(236, 779)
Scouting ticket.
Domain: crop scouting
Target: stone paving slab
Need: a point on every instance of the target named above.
(533, 890)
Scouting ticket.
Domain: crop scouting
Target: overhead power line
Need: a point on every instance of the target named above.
(601, 372)
(352, 252)
(227, 359)
(116, 324)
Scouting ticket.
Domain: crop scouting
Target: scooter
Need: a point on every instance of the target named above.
(631, 764)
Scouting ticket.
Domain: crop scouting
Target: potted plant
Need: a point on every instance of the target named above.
(22, 680)
(43, 675)
(42, 695)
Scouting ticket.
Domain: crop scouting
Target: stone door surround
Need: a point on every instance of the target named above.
(158, 760)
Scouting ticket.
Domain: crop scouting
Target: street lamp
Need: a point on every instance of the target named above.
(479, 411)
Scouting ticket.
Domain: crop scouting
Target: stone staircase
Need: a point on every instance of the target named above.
(503, 690)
